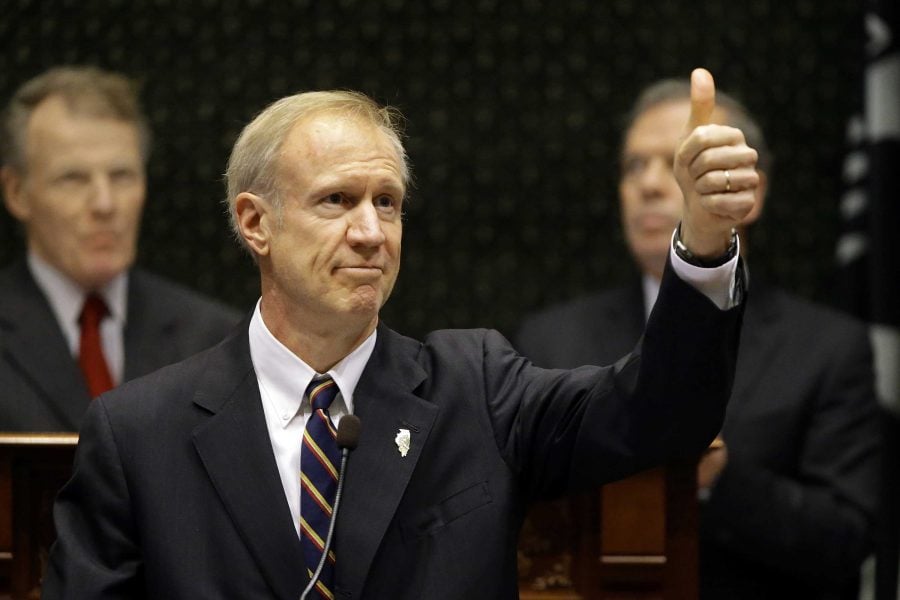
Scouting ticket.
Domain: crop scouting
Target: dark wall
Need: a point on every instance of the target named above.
(513, 121)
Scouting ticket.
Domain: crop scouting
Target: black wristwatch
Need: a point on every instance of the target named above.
(687, 256)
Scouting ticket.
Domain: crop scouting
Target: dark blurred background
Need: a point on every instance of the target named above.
(514, 112)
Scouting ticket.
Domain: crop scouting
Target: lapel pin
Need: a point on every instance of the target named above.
(402, 441)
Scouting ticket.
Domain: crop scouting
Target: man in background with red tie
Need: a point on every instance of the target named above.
(75, 318)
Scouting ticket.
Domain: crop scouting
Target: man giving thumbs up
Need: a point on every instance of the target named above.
(788, 493)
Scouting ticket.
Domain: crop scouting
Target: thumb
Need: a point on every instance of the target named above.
(703, 98)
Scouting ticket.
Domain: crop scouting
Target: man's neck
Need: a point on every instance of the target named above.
(321, 342)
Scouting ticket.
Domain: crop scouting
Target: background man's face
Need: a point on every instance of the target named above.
(650, 198)
(82, 194)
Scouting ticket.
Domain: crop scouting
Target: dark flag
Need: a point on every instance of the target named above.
(868, 251)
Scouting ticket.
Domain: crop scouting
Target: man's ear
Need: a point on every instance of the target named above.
(12, 182)
(760, 200)
(256, 219)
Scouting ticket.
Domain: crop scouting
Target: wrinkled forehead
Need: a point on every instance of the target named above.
(321, 132)
(82, 106)
(53, 128)
(330, 140)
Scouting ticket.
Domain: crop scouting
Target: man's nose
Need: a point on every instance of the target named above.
(656, 176)
(365, 226)
(102, 199)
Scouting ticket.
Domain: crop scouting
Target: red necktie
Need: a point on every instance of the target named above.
(90, 353)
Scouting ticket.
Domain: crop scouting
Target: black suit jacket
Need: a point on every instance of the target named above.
(176, 493)
(41, 386)
(792, 514)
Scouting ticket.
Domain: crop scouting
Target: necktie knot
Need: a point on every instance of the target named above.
(93, 311)
(321, 393)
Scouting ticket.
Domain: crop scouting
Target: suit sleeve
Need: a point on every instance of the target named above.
(96, 554)
(818, 520)
(581, 428)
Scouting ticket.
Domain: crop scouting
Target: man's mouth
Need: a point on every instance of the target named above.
(361, 270)
(655, 222)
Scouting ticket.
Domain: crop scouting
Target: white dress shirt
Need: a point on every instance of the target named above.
(283, 378)
(66, 300)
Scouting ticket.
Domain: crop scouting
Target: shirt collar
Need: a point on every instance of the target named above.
(66, 297)
(284, 377)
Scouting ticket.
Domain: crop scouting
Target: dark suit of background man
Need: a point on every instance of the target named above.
(789, 499)
(74, 146)
(186, 482)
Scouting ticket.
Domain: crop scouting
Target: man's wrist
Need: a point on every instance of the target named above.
(682, 251)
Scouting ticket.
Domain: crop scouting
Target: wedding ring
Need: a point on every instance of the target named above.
(727, 181)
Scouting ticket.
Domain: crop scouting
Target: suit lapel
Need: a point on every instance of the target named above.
(760, 341)
(618, 325)
(630, 317)
(235, 449)
(37, 346)
(149, 340)
(377, 474)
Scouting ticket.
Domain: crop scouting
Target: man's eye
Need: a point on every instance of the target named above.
(73, 177)
(384, 202)
(123, 175)
(633, 165)
(335, 198)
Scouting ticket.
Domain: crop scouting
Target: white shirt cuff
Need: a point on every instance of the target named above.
(716, 283)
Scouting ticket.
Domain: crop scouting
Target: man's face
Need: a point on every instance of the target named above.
(650, 198)
(334, 250)
(81, 195)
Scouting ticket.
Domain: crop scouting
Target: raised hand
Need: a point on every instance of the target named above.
(716, 171)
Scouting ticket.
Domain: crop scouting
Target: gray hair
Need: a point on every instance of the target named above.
(253, 164)
(86, 91)
(676, 90)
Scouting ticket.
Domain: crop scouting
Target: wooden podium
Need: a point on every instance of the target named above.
(33, 466)
(635, 539)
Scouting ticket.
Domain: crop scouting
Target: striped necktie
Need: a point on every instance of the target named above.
(320, 460)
